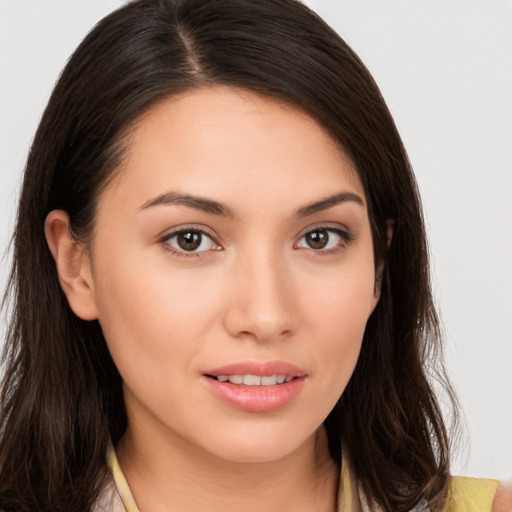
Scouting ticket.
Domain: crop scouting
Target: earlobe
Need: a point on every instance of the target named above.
(379, 271)
(390, 228)
(73, 265)
(378, 284)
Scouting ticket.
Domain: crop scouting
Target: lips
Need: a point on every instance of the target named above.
(264, 369)
(256, 387)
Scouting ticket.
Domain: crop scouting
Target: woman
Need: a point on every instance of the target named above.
(220, 280)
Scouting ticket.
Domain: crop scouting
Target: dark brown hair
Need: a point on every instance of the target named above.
(61, 396)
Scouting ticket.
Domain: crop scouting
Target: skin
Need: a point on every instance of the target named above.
(255, 290)
(503, 499)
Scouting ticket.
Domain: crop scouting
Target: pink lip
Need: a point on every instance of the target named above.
(264, 369)
(256, 398)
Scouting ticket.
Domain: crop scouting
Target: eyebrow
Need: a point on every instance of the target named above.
(329, 202)
(196, 202)
(216, 208)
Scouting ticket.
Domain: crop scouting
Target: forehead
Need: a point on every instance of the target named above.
(228, 143)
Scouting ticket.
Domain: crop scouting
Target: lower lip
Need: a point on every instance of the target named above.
(256, 398)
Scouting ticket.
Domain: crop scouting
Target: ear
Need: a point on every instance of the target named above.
(73, 265)
(390, 225)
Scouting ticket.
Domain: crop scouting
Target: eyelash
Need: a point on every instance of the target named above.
(345, 239)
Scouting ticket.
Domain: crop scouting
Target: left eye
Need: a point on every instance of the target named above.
(321, 239)
(190, 240)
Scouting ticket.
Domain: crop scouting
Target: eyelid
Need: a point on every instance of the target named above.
(327, 226)
(188, 227)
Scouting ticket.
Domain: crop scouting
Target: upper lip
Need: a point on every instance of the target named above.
(264, 369)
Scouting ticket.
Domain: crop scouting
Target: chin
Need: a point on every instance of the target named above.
(258, 448)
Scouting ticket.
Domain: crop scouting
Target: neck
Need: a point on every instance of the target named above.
(175, 476)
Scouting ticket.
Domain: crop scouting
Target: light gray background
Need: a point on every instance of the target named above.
(445, 69)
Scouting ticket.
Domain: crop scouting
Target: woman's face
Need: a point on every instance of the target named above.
(231, 252)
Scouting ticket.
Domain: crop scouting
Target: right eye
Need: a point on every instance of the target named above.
(189, 241)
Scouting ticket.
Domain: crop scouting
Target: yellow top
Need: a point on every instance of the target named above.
(121, 483)
(471, 494)
(467, 494)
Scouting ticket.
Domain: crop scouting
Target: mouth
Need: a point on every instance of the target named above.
(254, 380)
(252, 386)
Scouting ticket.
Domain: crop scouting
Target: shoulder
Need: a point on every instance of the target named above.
(503, 498)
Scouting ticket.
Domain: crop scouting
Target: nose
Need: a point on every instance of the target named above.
(262, 302)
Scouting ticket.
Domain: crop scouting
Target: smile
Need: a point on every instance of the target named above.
(257, 387)
(254, 380)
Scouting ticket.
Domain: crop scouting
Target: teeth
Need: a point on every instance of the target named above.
(269, 381)
(236, 379)
(254, 380)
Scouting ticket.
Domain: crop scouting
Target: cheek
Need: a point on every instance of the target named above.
(152, 316)
(343, 299)
(338, 311)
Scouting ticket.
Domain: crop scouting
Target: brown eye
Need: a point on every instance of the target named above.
(190, 240)
(324, 239)
(317, 239)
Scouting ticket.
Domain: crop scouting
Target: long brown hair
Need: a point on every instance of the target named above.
(61, 395)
